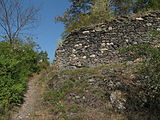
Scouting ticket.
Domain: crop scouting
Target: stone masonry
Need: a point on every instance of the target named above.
(99, 44)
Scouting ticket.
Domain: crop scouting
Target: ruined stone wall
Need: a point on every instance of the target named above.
(98, 44)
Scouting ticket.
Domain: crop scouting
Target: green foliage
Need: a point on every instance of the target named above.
(72, 14)
(122, 7)
(56, 95)
(43, 63)
(84, 12)
(149, 72)
(75, 80)
(144, 5)
(17, 63)
(99, 13)
(154, 34)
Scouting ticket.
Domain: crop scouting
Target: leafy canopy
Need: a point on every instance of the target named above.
(89, 12)
(84, 12)
(17, 63)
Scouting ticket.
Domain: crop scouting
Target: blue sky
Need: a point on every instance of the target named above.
(48, 33)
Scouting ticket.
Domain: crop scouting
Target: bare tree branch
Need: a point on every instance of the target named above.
(15, 18)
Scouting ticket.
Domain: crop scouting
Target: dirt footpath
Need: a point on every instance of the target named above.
(33, 107)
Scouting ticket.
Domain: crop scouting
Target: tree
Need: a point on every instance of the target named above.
(16, 65)
(44, 60)
(99, 12)
(144, 5)
(81, 12)
(122, 7)
(72, 15)
(88, 12)
(15, 19)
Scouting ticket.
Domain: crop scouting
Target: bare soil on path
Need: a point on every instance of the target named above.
(33, 104)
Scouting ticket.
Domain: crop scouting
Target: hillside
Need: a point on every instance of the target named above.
(96, 78)
(108, 71)
(106, 65)
(97, 93)
(108, 92)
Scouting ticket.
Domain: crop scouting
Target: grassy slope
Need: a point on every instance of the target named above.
(82, 94)
(85, 93)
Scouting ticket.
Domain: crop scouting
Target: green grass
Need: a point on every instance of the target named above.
(62, 83)
(112, 75)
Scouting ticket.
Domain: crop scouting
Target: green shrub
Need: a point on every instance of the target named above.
(16, 65)
(148, 74)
